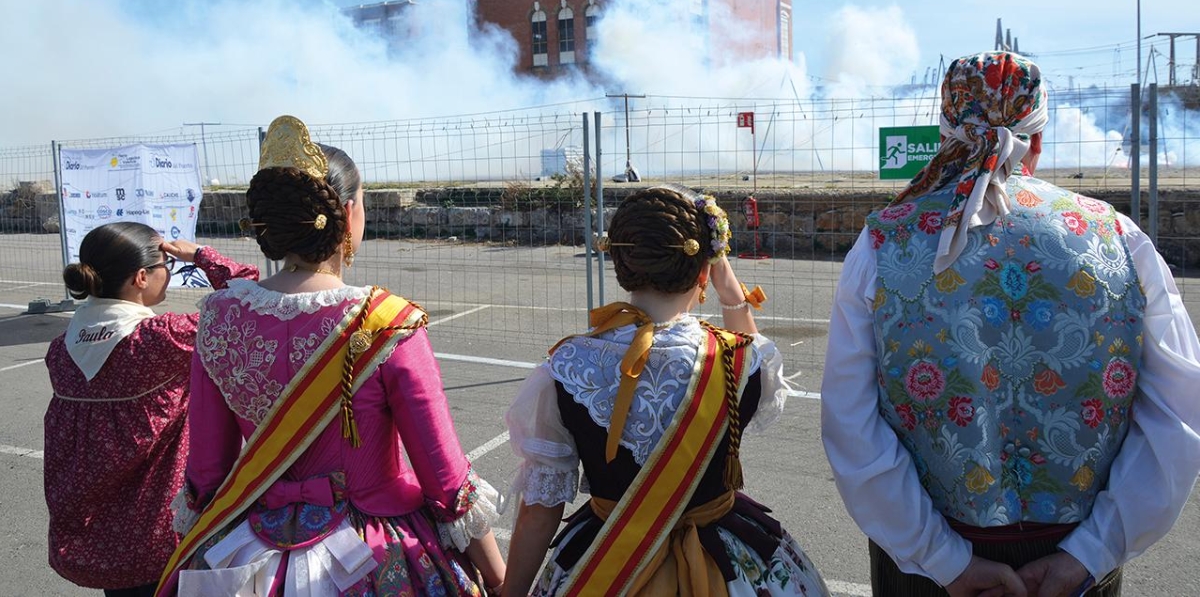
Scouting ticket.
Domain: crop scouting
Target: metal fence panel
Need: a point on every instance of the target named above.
(480, 217)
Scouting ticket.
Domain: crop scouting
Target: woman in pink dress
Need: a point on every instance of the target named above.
(320, 501)
(116, 439)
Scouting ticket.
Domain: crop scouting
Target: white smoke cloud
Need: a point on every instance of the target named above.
(106, 67)
(871, 46)
(115, 67)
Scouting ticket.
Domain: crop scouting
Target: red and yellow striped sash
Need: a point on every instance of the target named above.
(304, 409)
(650, 507)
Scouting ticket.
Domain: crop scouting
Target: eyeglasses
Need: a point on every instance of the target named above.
(168, 263)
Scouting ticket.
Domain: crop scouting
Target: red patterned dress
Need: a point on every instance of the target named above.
(116, 447)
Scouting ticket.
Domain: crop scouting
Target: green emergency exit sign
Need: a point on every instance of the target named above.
(904, 150)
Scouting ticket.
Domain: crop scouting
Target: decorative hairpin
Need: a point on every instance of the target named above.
(288, 145)
(246, 224)
(603, 243)
(690, 247)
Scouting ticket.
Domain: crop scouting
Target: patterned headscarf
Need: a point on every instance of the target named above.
(991, 104)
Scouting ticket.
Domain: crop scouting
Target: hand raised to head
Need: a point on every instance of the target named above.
(182, 249)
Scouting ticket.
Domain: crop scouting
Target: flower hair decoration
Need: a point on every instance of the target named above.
(718, 222)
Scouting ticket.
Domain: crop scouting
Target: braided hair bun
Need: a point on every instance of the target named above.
(284, 203)
(647, 235)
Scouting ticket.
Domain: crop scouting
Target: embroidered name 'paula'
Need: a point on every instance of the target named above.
(99, 335)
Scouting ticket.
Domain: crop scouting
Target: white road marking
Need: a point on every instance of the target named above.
(26, 452)
(29, 282)
(19, 365)
(457, 315)
(484, 360)
(838, 587)
(488, 446)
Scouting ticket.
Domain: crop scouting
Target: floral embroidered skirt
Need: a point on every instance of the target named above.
(780, 569)
(331, 552)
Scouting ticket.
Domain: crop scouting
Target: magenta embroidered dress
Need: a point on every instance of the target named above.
(342, 520)
(115, 447)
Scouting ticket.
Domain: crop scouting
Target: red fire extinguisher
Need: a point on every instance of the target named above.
(750, 208)
(753, 221)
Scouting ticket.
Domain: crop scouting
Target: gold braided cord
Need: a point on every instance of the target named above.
(733, 465)
(349, 426)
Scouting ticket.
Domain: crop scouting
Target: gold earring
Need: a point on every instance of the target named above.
(348, 250)
(703, 296)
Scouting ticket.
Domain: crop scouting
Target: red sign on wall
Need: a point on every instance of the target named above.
(746, 120)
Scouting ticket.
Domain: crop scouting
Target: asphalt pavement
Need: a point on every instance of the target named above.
(494, 311)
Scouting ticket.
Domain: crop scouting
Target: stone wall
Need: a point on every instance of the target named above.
(803, 224)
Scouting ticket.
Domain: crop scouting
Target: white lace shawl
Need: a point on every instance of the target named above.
(587, 368)
(282, 305)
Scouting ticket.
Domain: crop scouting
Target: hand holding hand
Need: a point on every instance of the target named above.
(181, 249)
(1055, 575)
(985, 578)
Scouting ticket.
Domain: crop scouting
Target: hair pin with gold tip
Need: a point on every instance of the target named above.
(690, 247)
(246, 224)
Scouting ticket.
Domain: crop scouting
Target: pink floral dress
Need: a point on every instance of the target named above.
(115, 447)
(390, 517)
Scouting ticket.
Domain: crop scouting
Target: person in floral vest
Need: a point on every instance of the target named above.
(1009, 403)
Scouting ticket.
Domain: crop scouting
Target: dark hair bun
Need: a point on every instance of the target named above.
(656, 222)
(82, 281)
(284, 203)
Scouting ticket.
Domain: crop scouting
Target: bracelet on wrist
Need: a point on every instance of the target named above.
(737, 307)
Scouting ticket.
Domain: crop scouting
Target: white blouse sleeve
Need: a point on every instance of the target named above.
(549, 470)
(874, 472)
(1154, 472)
(775, 388)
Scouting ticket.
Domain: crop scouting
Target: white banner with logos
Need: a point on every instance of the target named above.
(157, 185)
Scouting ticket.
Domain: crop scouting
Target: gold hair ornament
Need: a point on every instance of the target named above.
(288, 145)
(246, 224)
(603, 243)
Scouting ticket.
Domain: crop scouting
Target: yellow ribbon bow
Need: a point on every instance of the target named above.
(611, 317)
(754, 297)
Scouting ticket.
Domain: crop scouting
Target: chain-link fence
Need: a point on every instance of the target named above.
(481, 218)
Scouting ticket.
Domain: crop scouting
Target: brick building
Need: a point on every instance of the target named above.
(554, 35)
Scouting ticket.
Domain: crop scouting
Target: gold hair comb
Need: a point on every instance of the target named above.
(288, 145)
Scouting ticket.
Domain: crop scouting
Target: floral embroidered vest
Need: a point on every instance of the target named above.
(1009, 376)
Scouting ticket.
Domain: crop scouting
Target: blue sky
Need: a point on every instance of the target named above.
(1051, 30)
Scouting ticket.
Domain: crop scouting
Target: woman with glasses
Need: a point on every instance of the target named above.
(115, 430)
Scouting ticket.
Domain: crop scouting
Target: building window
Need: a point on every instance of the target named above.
(566, 35)
(590, 15)
(540, 44)
(785, 35)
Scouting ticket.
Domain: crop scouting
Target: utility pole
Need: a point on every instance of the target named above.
(204, 143)
(631, 173)
(1171, 60)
